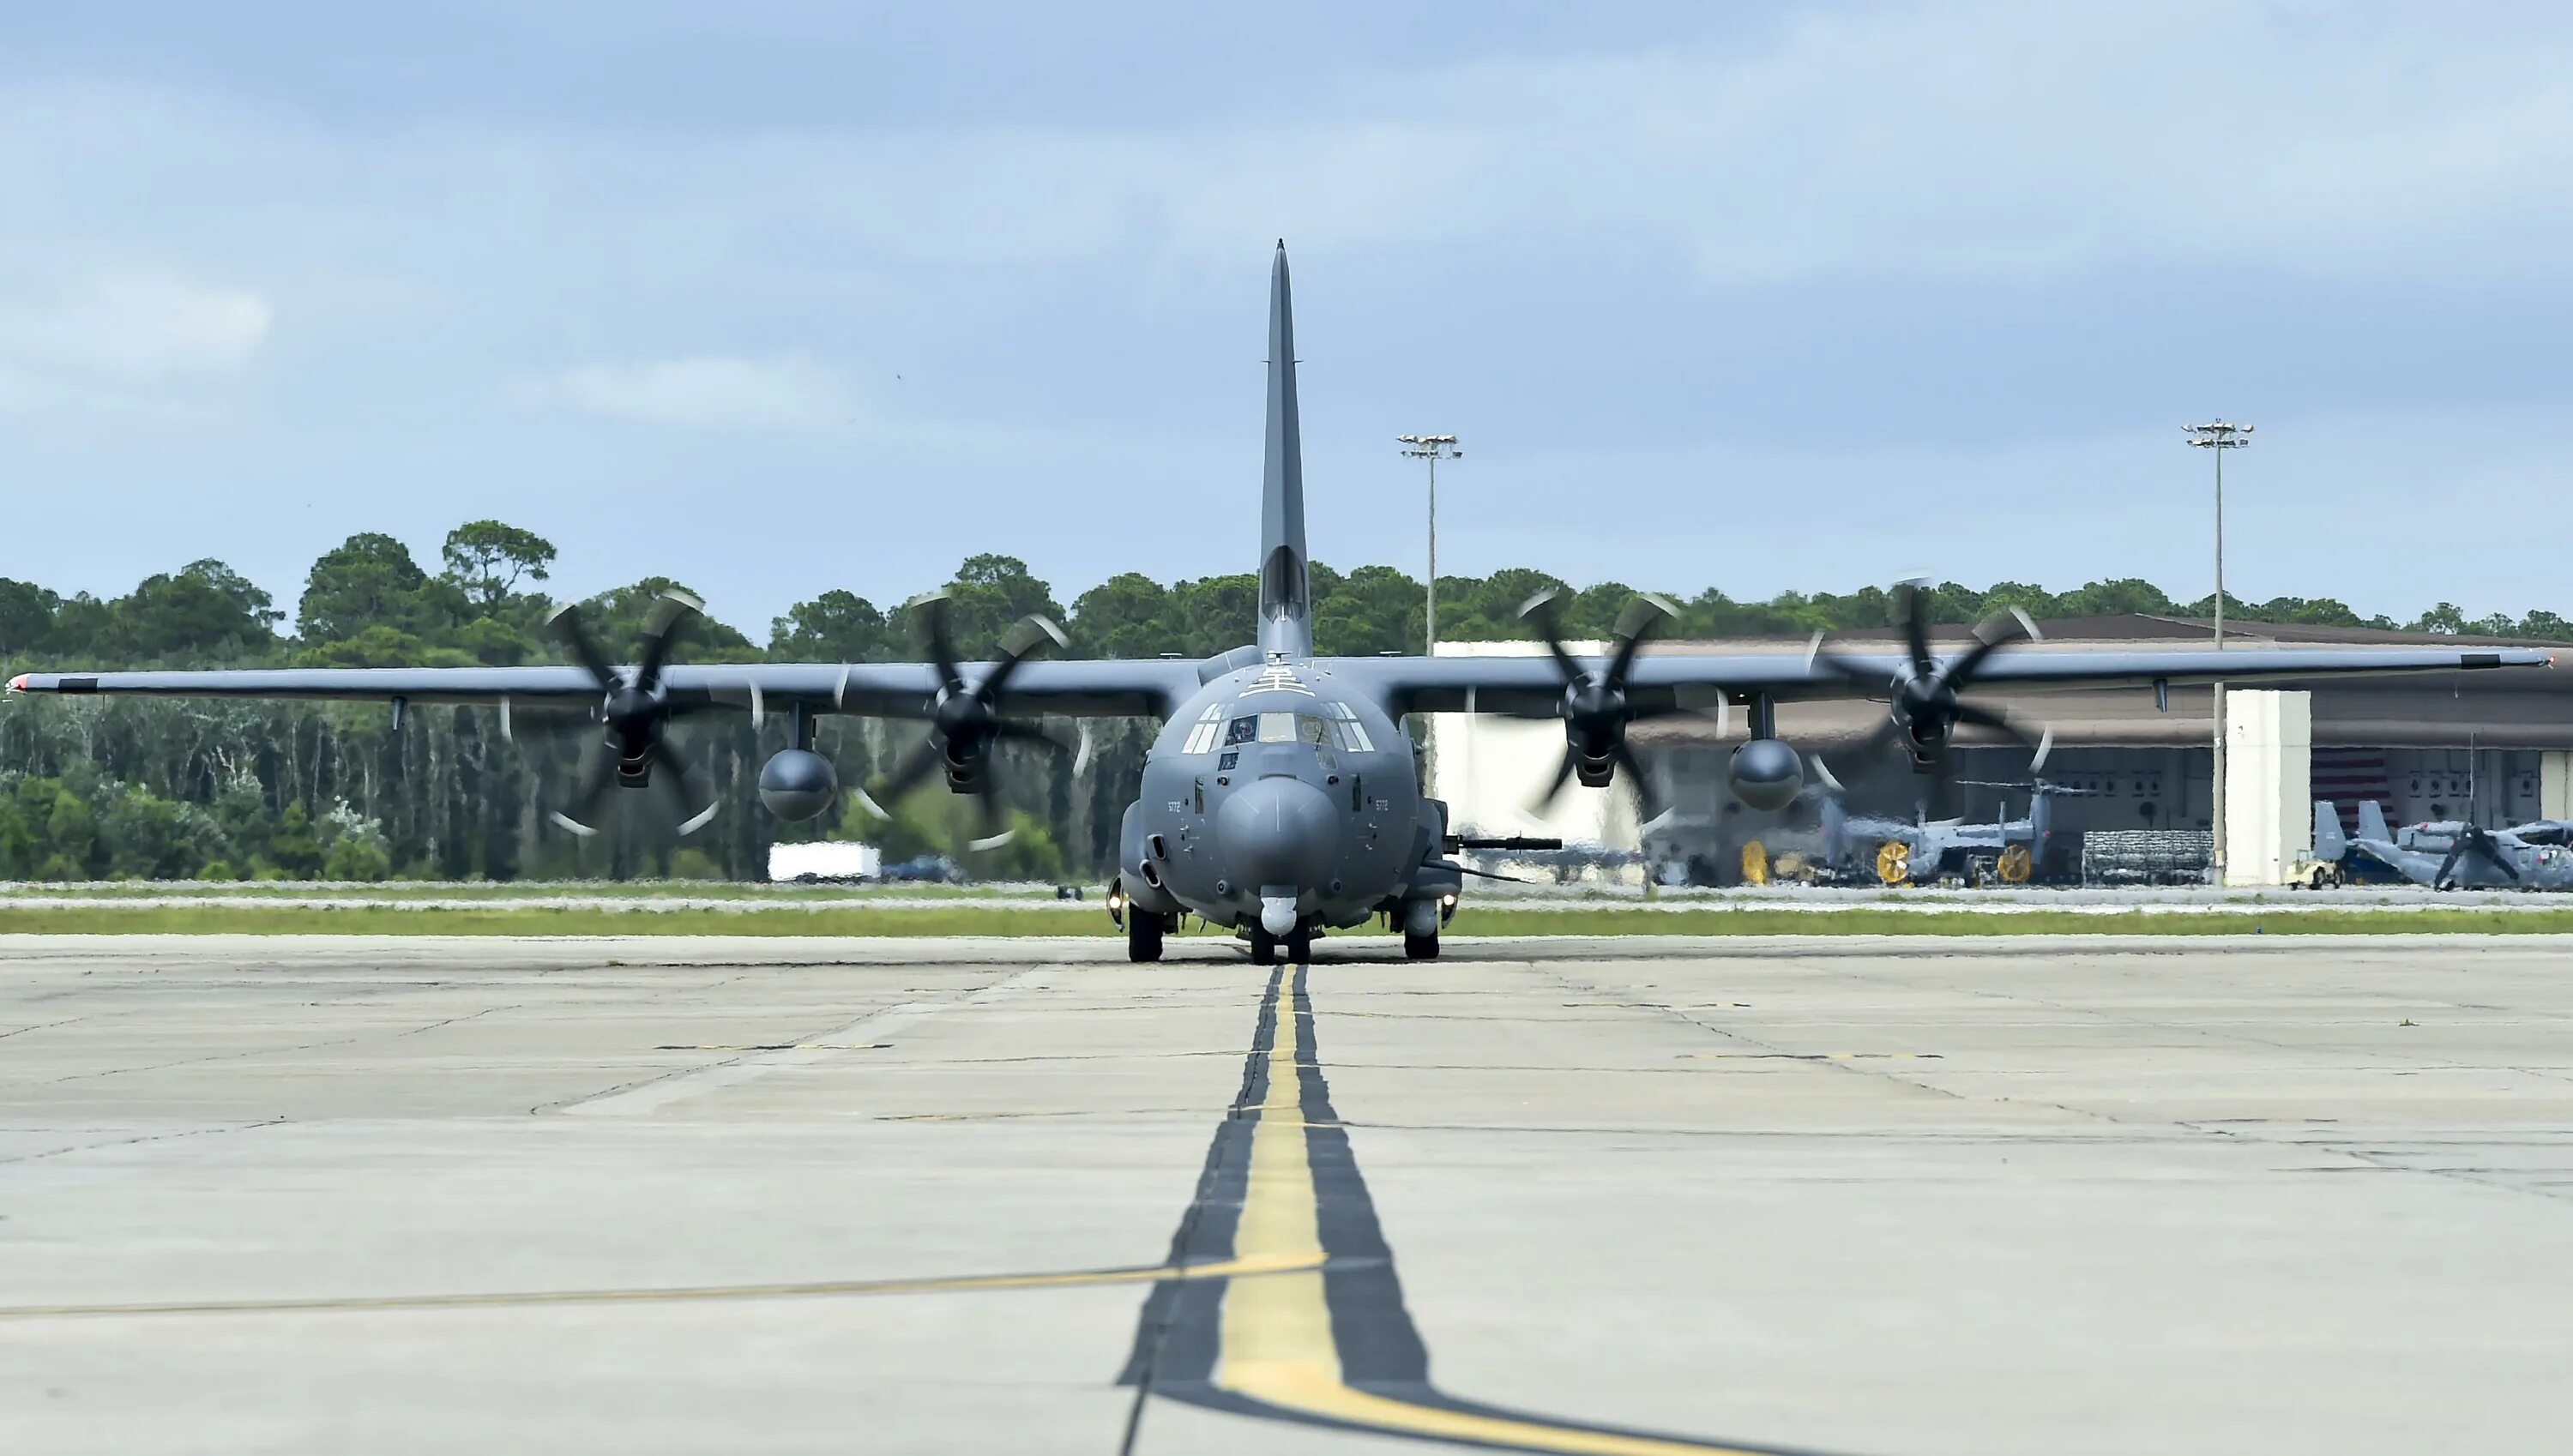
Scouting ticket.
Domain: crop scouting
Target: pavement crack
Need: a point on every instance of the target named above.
(72, 1147)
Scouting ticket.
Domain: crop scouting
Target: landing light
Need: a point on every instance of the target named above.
(1449, 901)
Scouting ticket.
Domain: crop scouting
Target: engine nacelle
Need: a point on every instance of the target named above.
(797, 783)
(1766, 774)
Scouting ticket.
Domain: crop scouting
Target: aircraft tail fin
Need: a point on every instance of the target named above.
(1286, 606)
(2329, 842)
(2371, 821)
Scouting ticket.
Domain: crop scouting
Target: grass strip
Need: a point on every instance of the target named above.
(131, 917)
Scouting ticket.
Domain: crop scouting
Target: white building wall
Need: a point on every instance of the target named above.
(1489, 769)
(2555, 786)
(2269, 785)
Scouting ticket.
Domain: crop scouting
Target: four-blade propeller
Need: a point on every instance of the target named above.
(636, 711)
(967, 720)
(1596, 708)
(1925, 697)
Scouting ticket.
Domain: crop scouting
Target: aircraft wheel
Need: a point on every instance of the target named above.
(1300, 948)
(1422, 948)
(1264, 948)
(1143, 934)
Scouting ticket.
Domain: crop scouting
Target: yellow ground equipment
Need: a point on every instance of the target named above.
(1755, 863)
(2014, 864)
(1893, 862)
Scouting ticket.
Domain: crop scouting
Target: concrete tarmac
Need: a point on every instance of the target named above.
(1613, 1196)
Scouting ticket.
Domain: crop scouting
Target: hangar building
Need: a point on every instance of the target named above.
(2496, 747)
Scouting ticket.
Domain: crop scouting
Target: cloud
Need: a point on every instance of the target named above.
(127, 342)
(701, 394)
(1893, 140)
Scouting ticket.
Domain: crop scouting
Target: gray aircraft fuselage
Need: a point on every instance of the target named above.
(1280, 796)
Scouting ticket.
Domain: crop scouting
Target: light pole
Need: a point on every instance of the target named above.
(1433, 448)
(2219, 436)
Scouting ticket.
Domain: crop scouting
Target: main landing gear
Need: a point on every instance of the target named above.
(1143, 934)
(1422, 948)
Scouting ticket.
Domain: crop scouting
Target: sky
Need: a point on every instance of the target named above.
(778, 297)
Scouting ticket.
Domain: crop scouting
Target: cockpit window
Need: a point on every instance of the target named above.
(1345, 726)
(1202, 733)
(1240, 730)
(1276, 727)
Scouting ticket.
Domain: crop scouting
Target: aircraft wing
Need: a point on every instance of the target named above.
(1664, 680)
(1112, 688)
(2416, 867)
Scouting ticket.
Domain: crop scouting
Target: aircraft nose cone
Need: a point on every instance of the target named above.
(1277, 832)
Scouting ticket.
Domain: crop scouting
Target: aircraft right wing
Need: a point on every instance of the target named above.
(1663, 681)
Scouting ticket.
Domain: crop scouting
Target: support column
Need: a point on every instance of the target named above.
(2269, 785)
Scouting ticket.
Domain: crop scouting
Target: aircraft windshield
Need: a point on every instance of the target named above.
(1340, 729)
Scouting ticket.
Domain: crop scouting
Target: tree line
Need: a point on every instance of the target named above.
(100, 788)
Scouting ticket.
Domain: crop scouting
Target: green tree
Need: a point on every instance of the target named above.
(837, 626)
(1128, 615)
(71, 831)
(487, 559)
(371, 580)
(988, 597)
(294, 849)
(2443, 618)
(26, 618)
(358, 858)
(202, 610)
(147, 837)
(617, 617)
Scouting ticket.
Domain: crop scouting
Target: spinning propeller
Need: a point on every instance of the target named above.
(966, 720)
(1926, 696)
(636, 711)
(1595, 709)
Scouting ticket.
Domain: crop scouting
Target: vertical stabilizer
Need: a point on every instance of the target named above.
(2329, 842)
(1285, 603)
(2372, 822)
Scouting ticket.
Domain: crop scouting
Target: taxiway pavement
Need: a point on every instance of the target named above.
(1635, 1195)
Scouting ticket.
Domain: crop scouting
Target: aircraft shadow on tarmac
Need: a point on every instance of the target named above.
(1326, 1340)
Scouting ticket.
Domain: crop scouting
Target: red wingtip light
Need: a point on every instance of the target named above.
(18, 684)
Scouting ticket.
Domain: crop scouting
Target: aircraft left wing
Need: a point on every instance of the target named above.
(1662, 681)
(1106, 688)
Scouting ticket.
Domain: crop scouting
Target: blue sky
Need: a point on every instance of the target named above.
(779, 298)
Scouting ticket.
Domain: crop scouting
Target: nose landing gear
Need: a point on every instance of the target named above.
(1298, 944)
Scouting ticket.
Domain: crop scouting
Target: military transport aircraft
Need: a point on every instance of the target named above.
(1280, 797)
(1921, 850)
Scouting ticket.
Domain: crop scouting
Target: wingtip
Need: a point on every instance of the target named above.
(18, 684)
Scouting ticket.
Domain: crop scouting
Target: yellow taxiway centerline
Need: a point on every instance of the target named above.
(1277, 1343)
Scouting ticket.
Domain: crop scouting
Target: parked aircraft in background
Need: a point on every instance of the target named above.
(2458, 855)
(1923, 851)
